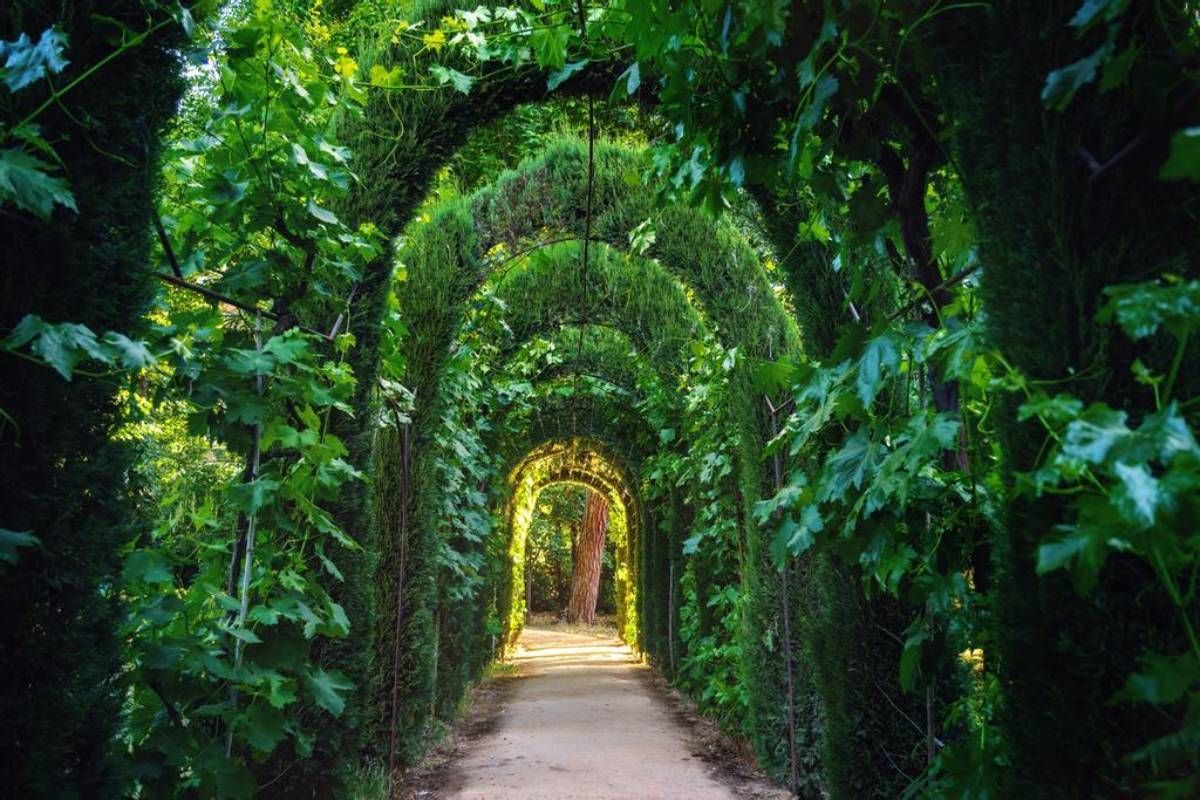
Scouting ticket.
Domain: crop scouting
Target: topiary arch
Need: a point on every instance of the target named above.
(695, 275)
(400, 146)
(586, 462)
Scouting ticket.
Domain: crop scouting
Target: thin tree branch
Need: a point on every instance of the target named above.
(217, 297)
(166, 246)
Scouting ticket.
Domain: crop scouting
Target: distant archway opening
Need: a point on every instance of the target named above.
(590, 465)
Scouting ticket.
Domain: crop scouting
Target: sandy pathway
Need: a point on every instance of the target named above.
(582, 723)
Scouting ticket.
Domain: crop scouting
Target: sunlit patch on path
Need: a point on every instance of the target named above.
(582, 723)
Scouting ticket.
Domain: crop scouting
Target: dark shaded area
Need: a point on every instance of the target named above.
(64, 479)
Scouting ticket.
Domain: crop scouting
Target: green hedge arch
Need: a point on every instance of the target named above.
(586, 462)
(598, 350)
(400, 145)
(448, 258)
(639, 297)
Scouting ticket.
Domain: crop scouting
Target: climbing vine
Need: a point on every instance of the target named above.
(699, 475)
(874, 324)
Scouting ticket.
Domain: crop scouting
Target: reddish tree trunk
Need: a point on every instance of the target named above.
(585, 579)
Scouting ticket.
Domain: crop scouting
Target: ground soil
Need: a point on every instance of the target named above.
(578, 716)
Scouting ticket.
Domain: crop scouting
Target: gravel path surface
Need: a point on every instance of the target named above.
(583, 722)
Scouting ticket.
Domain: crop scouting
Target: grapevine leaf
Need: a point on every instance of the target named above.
(322, 214)
(1055, 410)
(633, 78)
(133, 354)
(26, 182)
(1137, 494)
(26, 62)
(558, 77)
(147, 566)
(1142, 308)
(849, 466)
(1062, 84)
(1095, 433)
(460, 81)
(549, 45)
(264, 727)
(253, 495)
(879, 356)
(325, 687)
(826, 87)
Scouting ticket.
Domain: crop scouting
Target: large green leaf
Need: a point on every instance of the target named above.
(147, 566)
(264, 726)
(1062, 84)
(325, 687)
(549, 45)
(796, 534)
(1164, 435)
(322, 214)
(826, 87)
(132, 354)
(253, 495)
(26, 182)
(879, 357)
(911, 657)
(558, 77)
(26, 61)
(1142, 308)
(448, 76)
(849, 466)
(1137, 495)
(1095, 434)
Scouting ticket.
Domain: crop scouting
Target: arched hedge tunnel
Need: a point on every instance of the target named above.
(515, 247)
(851, 427)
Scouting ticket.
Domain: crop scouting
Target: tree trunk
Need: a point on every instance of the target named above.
(585, 579)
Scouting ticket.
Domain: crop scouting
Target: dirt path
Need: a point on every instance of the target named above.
(583, 722)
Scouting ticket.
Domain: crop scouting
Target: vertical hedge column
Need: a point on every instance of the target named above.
(1052, 236)
(63, 480)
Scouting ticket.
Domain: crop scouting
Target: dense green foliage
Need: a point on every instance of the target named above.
(67, 506)
(875, 324)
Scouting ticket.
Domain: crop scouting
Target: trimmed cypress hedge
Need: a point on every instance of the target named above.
(64, 479)
(1053, 238)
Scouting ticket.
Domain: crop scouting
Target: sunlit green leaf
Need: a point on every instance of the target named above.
(25, 62)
